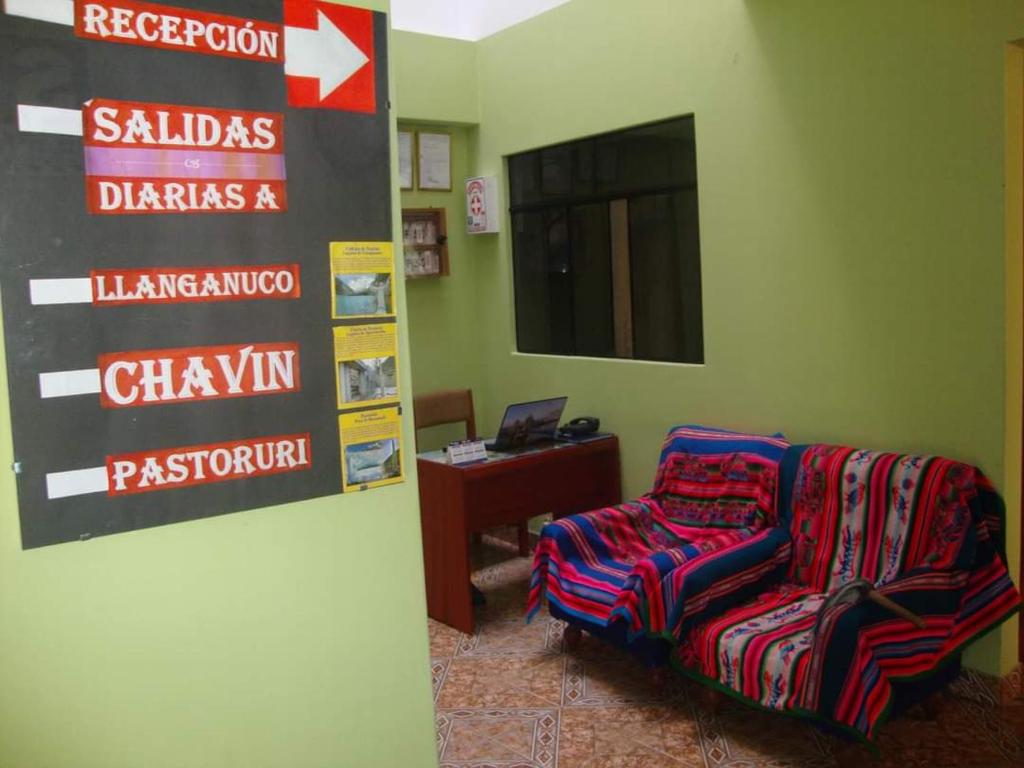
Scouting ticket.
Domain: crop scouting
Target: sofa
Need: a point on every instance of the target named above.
(826, 582)
(604, 572)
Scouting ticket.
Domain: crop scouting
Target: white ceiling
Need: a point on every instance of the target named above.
(465, 19)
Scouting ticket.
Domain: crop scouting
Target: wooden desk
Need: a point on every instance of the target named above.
(457, 501)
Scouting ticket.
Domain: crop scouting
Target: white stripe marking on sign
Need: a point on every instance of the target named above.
(54, 11)
(78, 482)
(64, 122)
(69, 383)
(72, 290)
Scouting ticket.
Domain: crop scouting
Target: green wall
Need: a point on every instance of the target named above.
(851, 160)
(443, 310)
(443, 86)
(280, 638)
(439, 93)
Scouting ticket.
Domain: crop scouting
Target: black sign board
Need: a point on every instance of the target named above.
(165, 365)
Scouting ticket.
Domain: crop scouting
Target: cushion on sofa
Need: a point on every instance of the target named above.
(719, 479)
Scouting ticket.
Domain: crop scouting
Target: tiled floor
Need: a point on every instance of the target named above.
(511, 696)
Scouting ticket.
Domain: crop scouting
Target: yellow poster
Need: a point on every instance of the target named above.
(366, 364)
(362, 280)
(370, 449)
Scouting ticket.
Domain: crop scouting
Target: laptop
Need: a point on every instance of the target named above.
(526, 424)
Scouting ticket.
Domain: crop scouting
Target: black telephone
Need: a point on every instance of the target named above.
(581, 426)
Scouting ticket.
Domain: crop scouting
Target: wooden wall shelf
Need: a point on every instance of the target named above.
(425, 243)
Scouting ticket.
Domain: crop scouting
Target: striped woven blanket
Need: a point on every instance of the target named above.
(714, 492)
(921, 530)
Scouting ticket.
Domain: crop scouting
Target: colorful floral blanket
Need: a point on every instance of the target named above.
(922, 530)
(715, 493)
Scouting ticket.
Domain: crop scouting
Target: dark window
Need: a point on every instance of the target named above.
(606, 246)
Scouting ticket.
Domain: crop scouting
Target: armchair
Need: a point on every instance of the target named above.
(608, 571)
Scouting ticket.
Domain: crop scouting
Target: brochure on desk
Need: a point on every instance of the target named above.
(441, 456)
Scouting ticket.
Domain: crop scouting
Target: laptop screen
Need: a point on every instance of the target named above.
(528, 423)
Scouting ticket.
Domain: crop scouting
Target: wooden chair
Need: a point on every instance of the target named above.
(448, 406)
(451, 406)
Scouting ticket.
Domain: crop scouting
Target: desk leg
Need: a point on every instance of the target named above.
(524, 539)
(445, 549)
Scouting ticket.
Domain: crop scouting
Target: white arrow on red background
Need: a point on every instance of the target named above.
(325, 53)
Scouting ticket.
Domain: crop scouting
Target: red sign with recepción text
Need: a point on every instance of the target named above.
(178, 29)
(143, 158)
(171, 285)
(162, 376)
(328, 49)
(165, 470)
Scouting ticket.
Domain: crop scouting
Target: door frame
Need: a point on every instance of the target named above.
(1014, 447)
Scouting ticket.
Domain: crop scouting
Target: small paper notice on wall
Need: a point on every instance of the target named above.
(405, 152)
(435, 161)
(370, 449)
(362, 280)
(366, 361)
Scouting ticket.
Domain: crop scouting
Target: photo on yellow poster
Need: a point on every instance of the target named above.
(362, 280)
(366, 364)
(371, 453)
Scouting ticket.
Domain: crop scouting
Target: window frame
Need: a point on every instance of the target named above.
(567, 202)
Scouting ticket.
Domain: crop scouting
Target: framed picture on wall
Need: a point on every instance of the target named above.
(435, 161)
(405, 159)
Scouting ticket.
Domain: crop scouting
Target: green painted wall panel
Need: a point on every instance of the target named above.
(436, 78)
(293, 636)
(850, 158)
